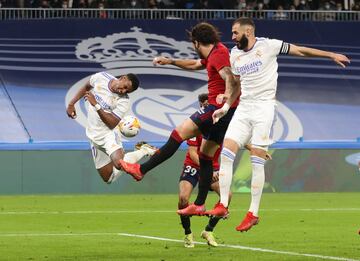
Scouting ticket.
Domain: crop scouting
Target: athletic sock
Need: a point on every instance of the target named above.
(185, 222)
(134, 156)
(212, 223)
(257, 183)
(227, 158)
(205, 173)
(114, 175)
(163, 153)
(130, 157)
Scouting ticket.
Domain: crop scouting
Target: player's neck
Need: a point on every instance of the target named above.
(251, 43)
(206, 50)
(110, 85)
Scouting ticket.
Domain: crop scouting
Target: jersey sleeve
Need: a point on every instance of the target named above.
(122, 107)
(94, 78)
(279, 47)
(220, 59)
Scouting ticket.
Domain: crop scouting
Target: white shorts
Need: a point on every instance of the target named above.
(103, 148)
(253, 123)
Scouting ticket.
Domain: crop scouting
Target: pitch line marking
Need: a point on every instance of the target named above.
(256, 249)
(159, 211)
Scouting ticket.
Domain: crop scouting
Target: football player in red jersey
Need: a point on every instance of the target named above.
(214, 57)
(188, 181)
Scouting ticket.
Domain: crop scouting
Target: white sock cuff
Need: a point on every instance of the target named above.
(228, 154)
(257, 160)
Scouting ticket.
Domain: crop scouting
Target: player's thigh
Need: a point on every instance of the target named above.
(113, 146)
(188, 180)
(240, 129)
(99, 155)
(263, 122)
(106, 171)
(188, 129)
(217, 131)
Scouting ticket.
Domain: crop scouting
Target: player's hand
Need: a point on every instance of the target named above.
(219, 113)
(70, 111)
(215, 177)
(89, 96)
(161, 60)
(340, 59)
(221, 98)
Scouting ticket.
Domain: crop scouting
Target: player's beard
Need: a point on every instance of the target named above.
(199, 53)
(242, 43)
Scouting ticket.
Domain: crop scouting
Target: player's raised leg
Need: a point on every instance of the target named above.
(184, 131)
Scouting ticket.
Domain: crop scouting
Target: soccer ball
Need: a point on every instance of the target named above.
(129, 126)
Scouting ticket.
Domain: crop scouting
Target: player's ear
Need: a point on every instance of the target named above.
(196, 44)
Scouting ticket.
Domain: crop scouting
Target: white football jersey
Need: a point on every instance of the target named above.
(257, 68)
(109, 101)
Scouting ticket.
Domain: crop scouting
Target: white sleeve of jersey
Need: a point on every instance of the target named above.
(94, 78)
(278, 47)
(122, 106)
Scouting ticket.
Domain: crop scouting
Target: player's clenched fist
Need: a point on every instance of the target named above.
(90, 98)
(70, 111)
(161, 60)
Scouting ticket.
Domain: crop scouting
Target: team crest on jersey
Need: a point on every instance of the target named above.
(167, 95)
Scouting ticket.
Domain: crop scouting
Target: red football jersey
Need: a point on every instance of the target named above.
(196, 141)
(218, 58)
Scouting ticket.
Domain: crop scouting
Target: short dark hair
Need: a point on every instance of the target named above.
(244, 21)
(204, 33)
(203, 97)
(134, 81)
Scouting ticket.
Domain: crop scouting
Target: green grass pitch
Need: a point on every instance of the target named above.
(293, 226)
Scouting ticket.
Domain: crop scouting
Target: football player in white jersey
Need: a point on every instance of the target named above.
(254, 63)
(108, 102)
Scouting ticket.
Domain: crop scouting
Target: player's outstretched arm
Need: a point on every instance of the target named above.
(70, 110)
(188, 64)
(338, 58)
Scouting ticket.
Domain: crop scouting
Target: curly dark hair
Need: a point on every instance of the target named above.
(204, 33)
(202, 97)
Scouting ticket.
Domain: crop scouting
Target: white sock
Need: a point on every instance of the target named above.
(134, 156)
(225, 175)
(114, 175)
(130, 157)
(257, 183)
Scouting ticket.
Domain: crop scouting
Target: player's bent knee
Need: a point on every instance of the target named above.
(230, 144)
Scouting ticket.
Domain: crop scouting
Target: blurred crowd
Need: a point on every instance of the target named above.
(258, 5)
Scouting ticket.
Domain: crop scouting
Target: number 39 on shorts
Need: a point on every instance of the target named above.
(190, 170)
